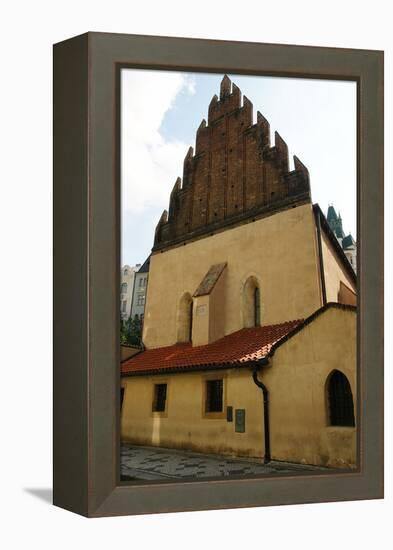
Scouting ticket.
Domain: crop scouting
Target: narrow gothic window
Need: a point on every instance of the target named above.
(184, 320)
(340, 401)
(257, 307)
(251, 303)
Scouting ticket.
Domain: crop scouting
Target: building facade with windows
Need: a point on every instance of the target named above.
(250, 321)
(127, 289)
(140, 291)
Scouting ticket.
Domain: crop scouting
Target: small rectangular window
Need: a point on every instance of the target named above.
(124, 306)
(159, 400)
(140, 300)
(214, 395)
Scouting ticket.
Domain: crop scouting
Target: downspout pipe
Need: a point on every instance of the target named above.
(265, 394)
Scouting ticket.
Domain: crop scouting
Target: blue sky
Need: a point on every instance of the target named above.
(162, 110)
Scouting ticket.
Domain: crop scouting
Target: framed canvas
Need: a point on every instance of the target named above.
(220, 322)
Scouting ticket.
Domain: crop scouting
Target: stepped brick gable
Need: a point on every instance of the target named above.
(233, 175)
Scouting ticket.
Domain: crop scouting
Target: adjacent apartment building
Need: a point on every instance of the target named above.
(140, 290)
(127, 289)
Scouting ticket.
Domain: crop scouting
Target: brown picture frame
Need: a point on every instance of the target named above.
(87, 266)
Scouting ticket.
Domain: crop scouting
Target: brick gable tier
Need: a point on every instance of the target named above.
(234, 175)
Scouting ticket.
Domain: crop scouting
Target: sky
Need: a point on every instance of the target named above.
(161, 111)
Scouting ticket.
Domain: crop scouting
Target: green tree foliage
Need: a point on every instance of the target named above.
(131, 331)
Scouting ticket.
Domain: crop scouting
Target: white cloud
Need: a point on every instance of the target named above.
(150, 163)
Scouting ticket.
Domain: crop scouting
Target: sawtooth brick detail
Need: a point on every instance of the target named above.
(234, 174)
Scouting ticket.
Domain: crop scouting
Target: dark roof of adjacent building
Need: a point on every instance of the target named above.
(335, 222)
(348, 241)
(145, 266)
(331, 214)
(238, 349)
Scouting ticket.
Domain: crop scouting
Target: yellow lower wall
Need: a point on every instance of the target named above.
(299, 427)
(185, 424)
(300, 430)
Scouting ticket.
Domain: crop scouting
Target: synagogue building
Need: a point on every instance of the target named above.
(249, 335)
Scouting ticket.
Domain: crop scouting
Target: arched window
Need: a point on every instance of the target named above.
(251, 303)
(184, 319)
(340, 400)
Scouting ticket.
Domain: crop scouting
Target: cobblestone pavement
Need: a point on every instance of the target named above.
(153, 463)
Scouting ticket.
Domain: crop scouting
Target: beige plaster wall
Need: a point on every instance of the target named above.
(127, 351)
(299, 426)
(334, 271)
(300, 430)
(200, 320)
(346, 295)
(279, 250)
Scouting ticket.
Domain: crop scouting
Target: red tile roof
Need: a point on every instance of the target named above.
(248, 344)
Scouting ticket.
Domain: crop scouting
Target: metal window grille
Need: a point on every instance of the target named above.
(214, 395)
(159, 397)
(340, 401)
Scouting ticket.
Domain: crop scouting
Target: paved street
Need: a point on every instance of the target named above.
(153, 463)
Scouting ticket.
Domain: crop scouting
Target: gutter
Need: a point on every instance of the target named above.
(265, 395)
(321, 267)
